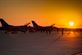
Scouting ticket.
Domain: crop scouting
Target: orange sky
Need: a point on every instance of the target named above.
(44, 12)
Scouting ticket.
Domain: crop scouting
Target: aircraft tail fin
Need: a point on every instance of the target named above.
(34, 24)
(3, 22)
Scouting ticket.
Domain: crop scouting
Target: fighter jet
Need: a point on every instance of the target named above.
(47, 29)
(10, 28)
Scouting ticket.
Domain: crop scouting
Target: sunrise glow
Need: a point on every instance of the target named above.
(58, 12)
(71, 23)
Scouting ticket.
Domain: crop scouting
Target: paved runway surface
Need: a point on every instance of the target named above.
(40, 43)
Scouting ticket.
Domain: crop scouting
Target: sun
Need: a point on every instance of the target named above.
(71, 23)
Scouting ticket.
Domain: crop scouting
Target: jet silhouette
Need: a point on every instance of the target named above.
(10, 28)
(47, 29)
(24, 28)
